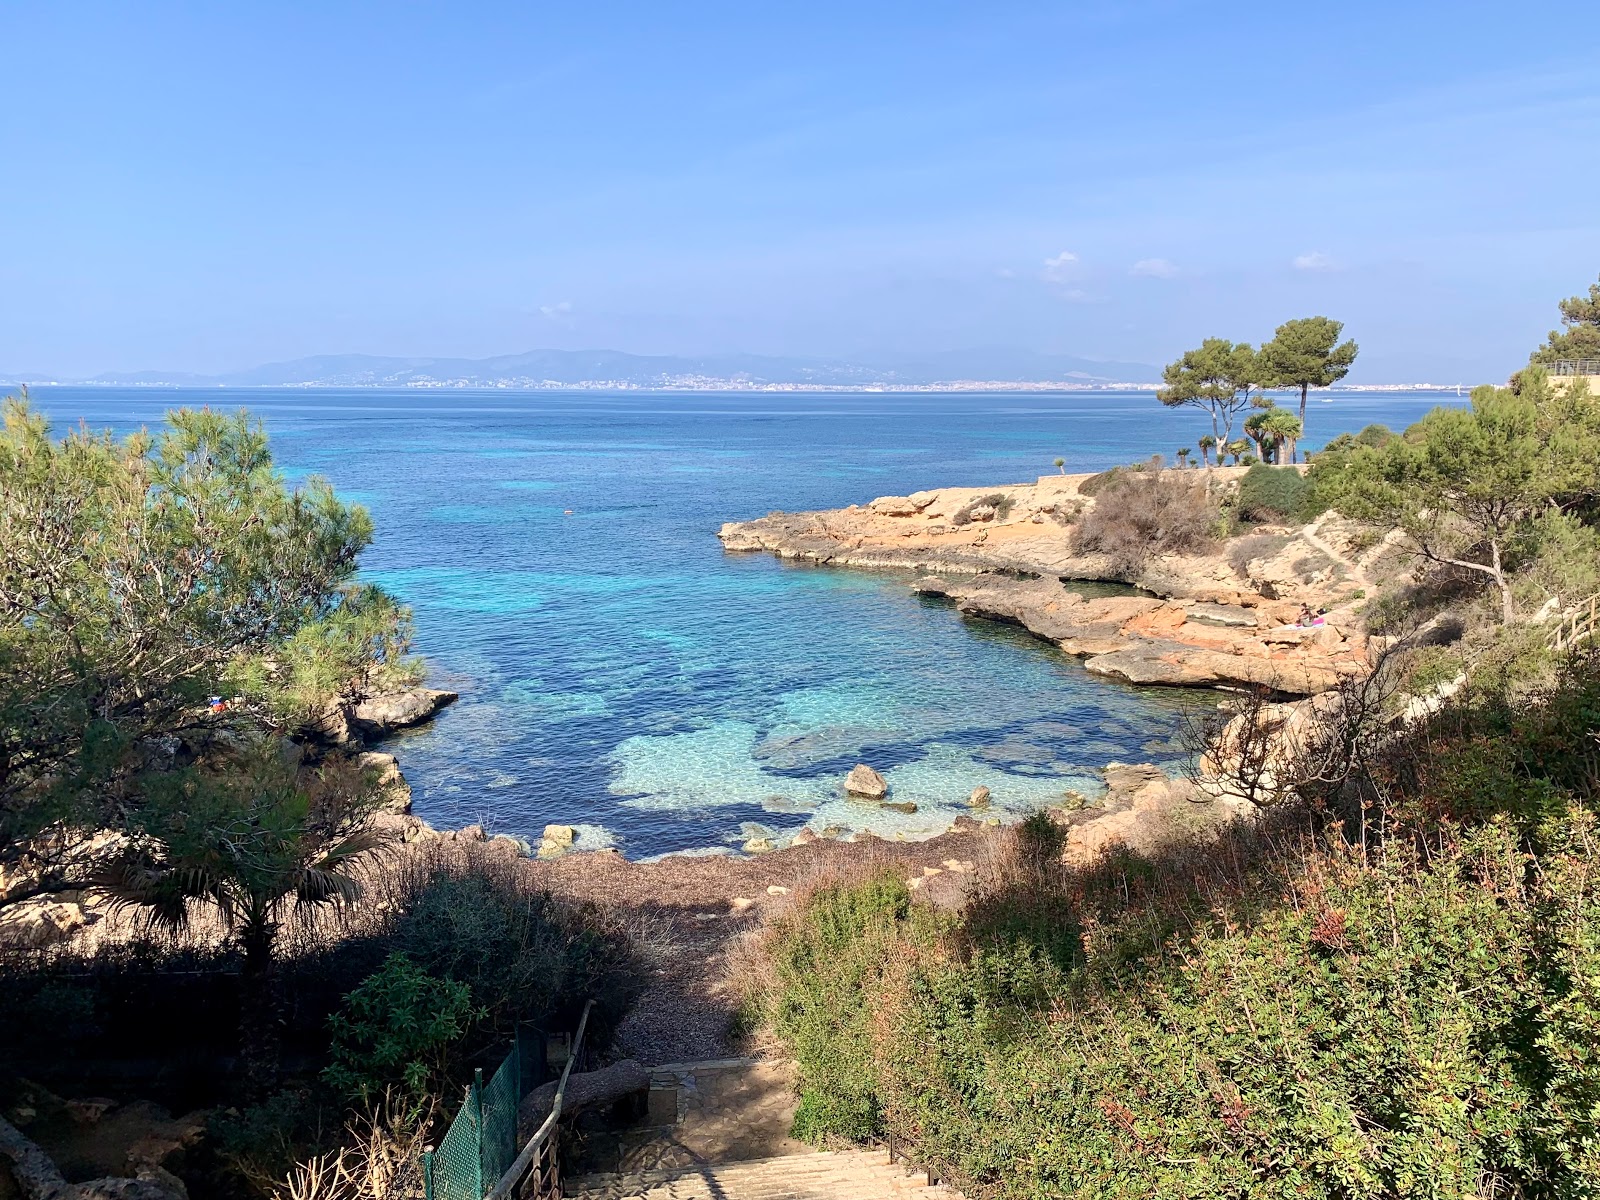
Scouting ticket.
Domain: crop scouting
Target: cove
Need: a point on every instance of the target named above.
(621, 673)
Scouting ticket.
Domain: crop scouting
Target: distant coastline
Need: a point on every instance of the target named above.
(681, 386)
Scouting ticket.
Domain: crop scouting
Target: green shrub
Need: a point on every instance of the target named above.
(1271, 493)
(1300, 1009)
(828, 963)
(523, 955)
(396, 1031)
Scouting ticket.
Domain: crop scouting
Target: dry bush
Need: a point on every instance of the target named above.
(381, 1160)
(1138, 514)
(1246, 550)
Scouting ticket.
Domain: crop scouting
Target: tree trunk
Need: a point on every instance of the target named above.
(1304, 388)
(1507, 611)
(259, 1036)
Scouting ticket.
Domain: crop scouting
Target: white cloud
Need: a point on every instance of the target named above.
(1154, 268)
(556, 311)
(1061, 267)
(1314, 260)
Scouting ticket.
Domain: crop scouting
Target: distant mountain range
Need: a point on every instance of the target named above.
(613, 368)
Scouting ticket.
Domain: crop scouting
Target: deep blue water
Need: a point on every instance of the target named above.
(622, 673)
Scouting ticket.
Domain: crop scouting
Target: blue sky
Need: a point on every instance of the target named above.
(206, 187)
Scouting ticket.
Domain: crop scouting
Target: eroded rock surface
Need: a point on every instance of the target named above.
(1226, 618)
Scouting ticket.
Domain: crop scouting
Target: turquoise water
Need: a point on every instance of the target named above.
(620, 672)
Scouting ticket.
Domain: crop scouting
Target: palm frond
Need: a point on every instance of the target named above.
(136, 880)
(318, 885)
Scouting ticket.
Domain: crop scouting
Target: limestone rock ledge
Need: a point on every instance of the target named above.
(1220, 619)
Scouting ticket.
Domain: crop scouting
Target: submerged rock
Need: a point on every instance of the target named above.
(864, 781)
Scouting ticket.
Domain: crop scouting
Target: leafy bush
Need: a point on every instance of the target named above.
(1303, 1008)
(396, 1031)
(1271, 494)
(1138, 514)
(829, 959)
(523, 955)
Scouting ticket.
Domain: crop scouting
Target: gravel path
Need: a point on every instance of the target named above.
(692, 909)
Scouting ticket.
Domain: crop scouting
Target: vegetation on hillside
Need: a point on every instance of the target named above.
(181, 631)
(1388, 989)
(1385, 983)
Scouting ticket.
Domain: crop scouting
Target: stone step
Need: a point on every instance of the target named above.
(824, 1175)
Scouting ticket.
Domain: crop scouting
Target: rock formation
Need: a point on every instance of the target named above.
(1224, 618)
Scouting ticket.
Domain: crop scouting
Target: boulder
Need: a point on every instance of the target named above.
(561, 835)
(864, 781)
(380, 715)
(585, 1090)
(978, 798)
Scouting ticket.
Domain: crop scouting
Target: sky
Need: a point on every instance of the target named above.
(208, 187)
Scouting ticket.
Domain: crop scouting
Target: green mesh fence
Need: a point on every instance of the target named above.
(454, 1171)
(499, 1119)
(481, 1143)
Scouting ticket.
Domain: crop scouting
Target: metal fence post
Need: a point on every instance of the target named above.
(477, 1112)
(427, 1175)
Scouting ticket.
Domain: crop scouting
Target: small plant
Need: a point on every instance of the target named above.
(1061, 465)
(396, 1031)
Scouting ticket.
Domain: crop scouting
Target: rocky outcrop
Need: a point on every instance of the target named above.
(378, 716)
(1143, 809)
(1226, 618)
(384, 772)
(1177, 643)
(38, 1178)
(35, 924)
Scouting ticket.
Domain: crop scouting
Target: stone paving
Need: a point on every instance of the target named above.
(719, 1111)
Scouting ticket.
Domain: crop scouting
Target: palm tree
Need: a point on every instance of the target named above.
(1206, 443)
(1284, 428)
(1061, 465)
(1236, 449)
(1253, 430)
(1183, 457)
(251, 845)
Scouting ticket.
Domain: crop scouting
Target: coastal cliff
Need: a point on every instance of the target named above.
(1223, 617)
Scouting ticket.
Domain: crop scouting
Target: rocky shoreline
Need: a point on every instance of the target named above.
(1226, 618)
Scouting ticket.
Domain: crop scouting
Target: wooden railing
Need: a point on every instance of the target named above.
(1578, 626)
(536, 1173)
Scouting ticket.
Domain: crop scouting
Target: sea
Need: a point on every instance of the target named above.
(619, 672)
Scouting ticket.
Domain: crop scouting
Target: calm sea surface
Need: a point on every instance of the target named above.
(619, 672)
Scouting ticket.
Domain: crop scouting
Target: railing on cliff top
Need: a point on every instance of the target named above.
(1574, 366)
(1578, 626)
(478, 1158)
